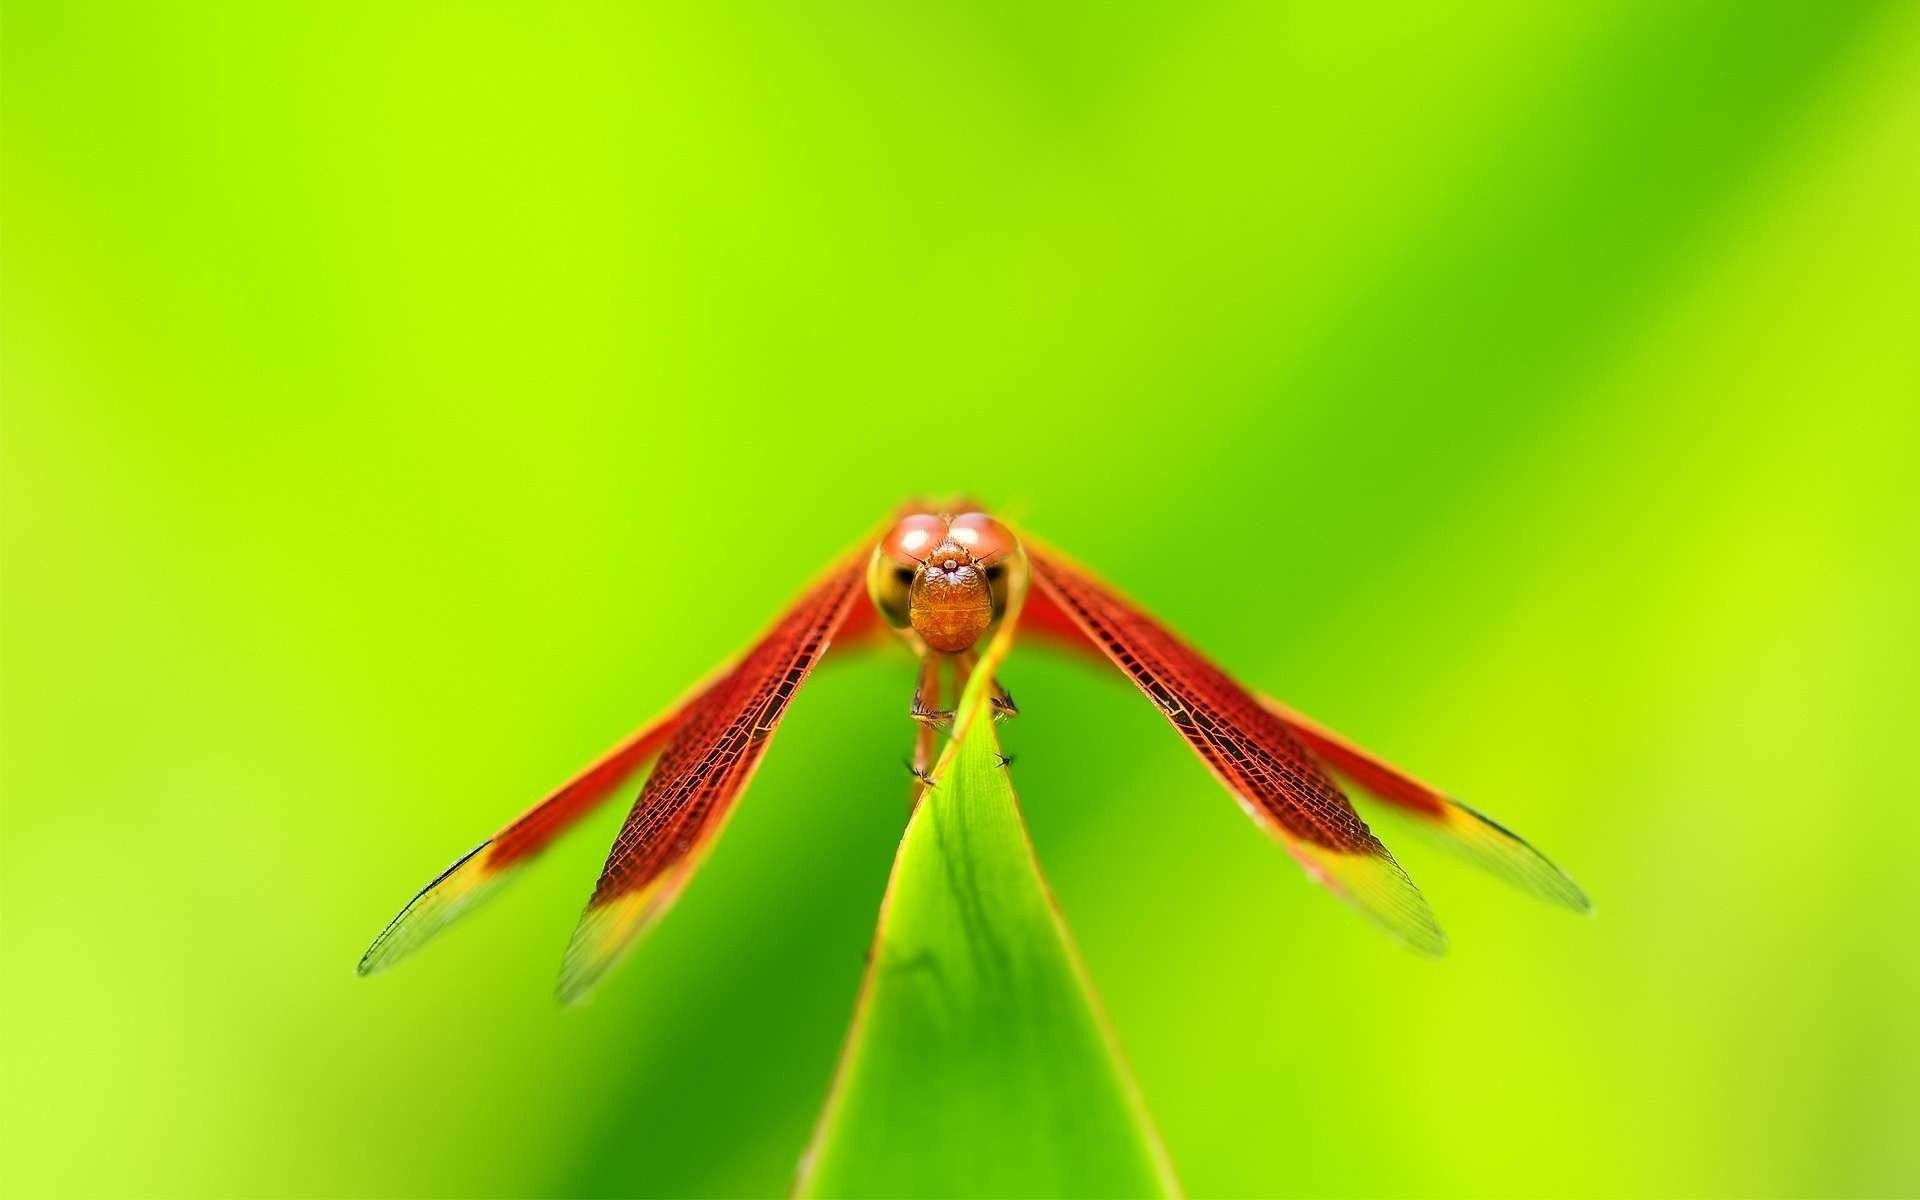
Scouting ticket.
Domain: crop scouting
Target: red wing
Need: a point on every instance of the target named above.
(479, 872)
(701, 772)
(862, 630)
(1249, 749)
(1473, 834)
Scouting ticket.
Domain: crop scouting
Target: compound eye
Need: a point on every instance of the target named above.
(899, 554)
(986, 539)
(908, 543)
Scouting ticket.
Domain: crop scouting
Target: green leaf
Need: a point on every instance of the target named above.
(979, 1062)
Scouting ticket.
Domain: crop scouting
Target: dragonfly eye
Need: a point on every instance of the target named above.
(896, 559)
(985, 539)
(909, 542)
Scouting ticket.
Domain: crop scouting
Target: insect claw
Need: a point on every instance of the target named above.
(1003, 705)
(923, 776)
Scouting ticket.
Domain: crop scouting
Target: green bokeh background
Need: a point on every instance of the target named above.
(401, 402)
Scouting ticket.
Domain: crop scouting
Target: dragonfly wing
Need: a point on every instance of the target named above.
(1473, 834)
(482, 870)
(1251, 751)
(701, 772)
(1465, 830)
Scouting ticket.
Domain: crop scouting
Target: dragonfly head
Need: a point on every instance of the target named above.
(942, 577)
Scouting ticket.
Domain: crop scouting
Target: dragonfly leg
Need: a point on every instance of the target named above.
(926, 694)
(922, 764)
(930, 717)
(1003, 705)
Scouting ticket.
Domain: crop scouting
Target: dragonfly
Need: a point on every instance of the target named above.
(955, 583)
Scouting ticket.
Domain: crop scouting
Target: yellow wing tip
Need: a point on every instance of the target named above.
(1506, 854)
(1380, 889)
(452, 893)
(605, 933)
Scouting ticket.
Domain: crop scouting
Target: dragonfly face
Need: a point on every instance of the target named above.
(943, 577)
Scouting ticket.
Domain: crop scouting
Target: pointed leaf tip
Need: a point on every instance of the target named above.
(978, 1062)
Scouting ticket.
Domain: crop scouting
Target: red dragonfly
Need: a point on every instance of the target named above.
(952, 586)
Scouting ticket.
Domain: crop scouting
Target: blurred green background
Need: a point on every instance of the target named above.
(401, 402)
